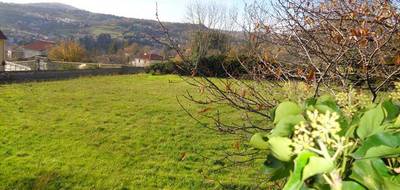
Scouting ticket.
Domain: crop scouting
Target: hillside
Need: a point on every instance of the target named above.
(24, 22)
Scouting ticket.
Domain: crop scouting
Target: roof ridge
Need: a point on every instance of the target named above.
(39, 45)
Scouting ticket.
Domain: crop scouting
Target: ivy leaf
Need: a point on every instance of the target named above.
(317, 165)
(397, 122)
(392, 110)
(349, 129)
(280, 147)
(272, 112)
(351, 185)
(325, 98)
(295, 181)
(257, 141)
(310, 102)
(382, 151)
(370, 122)
(327, 103)
(373, 174)
(379, 145)
(324, 108)
(286, 109)
(304, 187)
(276, 169)
(285, 127)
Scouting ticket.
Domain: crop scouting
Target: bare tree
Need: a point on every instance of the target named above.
(344, 41)
(225, 98)
(325, 43)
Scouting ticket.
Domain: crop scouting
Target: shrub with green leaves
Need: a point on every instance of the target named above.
(316, 145)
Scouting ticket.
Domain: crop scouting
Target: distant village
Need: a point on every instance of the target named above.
(39, 49)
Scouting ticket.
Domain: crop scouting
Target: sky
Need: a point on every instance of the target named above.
(169, 10)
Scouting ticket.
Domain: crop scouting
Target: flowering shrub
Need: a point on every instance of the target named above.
(396, 94)
(351, 101)
(295, 91)
(318, 146)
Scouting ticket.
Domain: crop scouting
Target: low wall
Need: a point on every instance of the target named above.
(25, 76)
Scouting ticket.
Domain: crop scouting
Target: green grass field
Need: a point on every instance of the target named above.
(113, 132)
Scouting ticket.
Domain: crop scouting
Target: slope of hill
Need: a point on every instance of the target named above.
(53, 6)
(24, 22)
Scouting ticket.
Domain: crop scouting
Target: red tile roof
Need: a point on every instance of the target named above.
(152, 56)
(39, 45)
(2, 36)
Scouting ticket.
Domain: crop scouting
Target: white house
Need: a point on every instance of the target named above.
(147, 59)
(37, 48)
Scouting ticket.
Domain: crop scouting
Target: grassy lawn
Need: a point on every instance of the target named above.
(114, 132)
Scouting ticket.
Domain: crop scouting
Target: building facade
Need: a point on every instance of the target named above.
(3, 40)
(15, 53)
(147, 59)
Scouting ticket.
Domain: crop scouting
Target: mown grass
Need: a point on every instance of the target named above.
(114, 132)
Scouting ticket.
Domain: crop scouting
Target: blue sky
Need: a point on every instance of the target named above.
(170, 10)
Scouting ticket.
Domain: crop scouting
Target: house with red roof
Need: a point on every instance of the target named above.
(37, 48)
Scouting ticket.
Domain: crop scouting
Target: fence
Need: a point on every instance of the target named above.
(16, 67)
(44, 64)
(25, 76)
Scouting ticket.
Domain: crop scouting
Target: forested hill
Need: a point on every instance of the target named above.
(24, 22)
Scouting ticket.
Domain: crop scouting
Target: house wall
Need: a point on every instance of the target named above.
(143, 62)
(2, 51)
(15, 54)
(31, 53)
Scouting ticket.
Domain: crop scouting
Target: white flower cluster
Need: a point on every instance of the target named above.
(396, 94)
(320, 128)
(351, 101)
(295, 91)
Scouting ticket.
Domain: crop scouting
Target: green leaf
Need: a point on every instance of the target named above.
(370, 122)
(272, 112)
(324, 108)
(397, 122)
(280, 148)
(351, 185)
(310, 102)
(286, 109)
(382, 151)
(327, 103)
(349, 129)
(257, 141)
(295, 181)
(317, 165)
(373, 174)
(319, 183)
(276, 169)
(392, 111)
(377, 145)
(304, 187)
(285, 127)
(325, 99)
